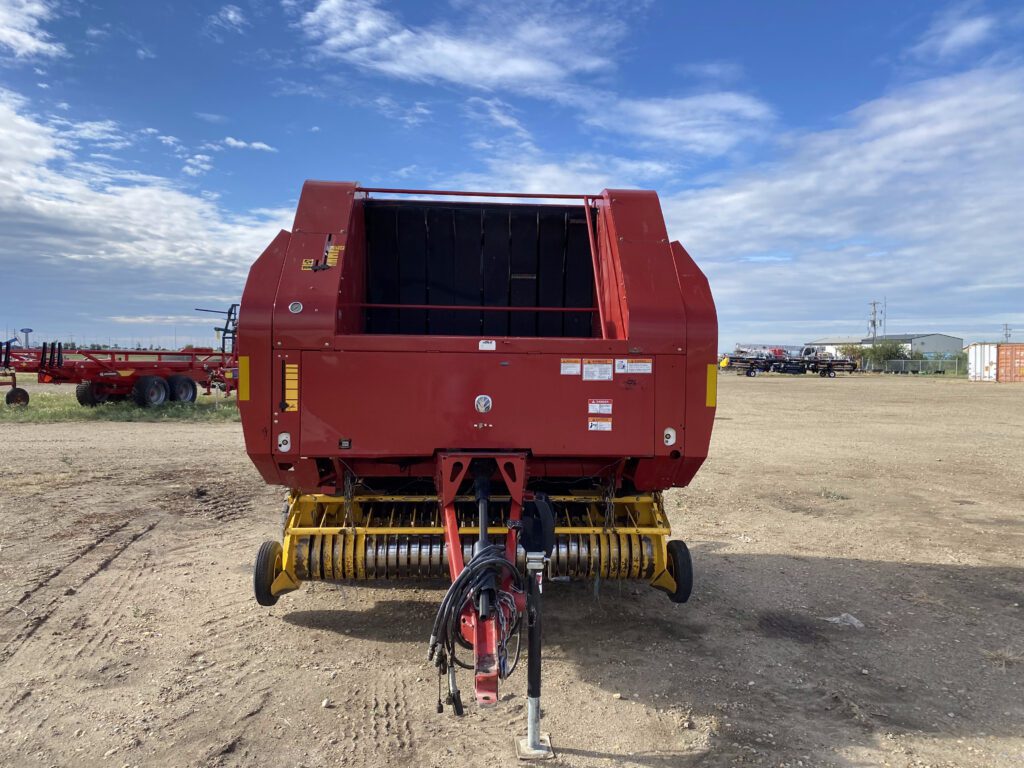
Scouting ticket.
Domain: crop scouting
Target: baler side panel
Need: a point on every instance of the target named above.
(701, 363)
(255, 344)
(655, 319)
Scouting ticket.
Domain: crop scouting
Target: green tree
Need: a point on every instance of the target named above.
(883, 351)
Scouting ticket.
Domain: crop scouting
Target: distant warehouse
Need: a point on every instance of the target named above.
(927, 344)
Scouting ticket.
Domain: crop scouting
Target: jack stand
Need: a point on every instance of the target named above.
(536, 745)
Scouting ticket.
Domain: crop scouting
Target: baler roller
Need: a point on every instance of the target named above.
(351, 556)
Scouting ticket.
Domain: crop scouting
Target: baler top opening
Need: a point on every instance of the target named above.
(490, 268)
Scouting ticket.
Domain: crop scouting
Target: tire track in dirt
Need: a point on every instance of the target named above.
(39, 603)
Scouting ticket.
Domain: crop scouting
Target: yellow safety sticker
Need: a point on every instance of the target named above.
(243, 377)
(291, 385)
(307, 265)
(712, 393)
(332, 255)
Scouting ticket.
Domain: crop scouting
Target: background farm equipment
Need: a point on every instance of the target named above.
(146, 377)
(483, 391)
(750, 360)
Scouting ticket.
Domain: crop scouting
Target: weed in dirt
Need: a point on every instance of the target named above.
(832, 495)
(1004, 657)
(52, 407)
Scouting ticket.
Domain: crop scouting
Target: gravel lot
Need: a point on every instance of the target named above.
(129, 635)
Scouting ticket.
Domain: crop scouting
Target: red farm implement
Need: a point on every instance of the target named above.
(146, 377)
(483, 387)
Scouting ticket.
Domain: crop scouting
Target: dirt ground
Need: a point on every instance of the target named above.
(129, 635)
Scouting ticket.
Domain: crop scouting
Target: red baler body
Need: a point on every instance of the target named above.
(344, 352)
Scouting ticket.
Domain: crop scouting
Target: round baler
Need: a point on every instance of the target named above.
(486, 387)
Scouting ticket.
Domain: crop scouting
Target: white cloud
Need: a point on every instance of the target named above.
(229, 19)
(497, 114)
(197, 165)
(233, 143)
(514, 45)
(952, 32)
(211, 117)
(409, 115)
(705, 124)
(104, 237)
(21, 31)
(143, 52)
(916, 196)
(719, 70)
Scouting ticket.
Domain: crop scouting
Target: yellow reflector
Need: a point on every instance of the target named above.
(712, 395)
(243, 377)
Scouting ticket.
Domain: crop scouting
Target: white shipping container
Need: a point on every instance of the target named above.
(982, 362)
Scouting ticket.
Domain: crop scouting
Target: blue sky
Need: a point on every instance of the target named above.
(811, 156)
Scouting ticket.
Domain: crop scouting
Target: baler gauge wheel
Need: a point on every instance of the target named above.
(16, 396)
(268, 565)
(831, 374)
(182, 389)
(680, 565)
(149, 392)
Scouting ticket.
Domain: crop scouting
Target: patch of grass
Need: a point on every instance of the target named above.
(1004, 657)
(833, 495)
(54, 407)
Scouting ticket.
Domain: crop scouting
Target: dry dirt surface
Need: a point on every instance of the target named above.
(129, 635)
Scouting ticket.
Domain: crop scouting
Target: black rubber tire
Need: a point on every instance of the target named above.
(17, 397)
(751, 372)
(831, 374)
(89, 395)
(182, 389)
(822, 373)
(265, 571)
(680, 565)
(149, 392)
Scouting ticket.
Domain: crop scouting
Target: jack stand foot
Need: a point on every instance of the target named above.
(541, 751)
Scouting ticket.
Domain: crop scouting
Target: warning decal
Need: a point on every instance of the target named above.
(599, 424)
(571, 366)
(634, 365)
(600, 406)
(597, 369)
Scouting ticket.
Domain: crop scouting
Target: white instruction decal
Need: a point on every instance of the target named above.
(600, 406)
(487, 345)
(597, 369)
(599, 424)
(634, 365)
(571, 366)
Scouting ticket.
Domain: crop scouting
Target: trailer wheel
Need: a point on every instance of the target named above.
(89, 395)
(268, 564)
(182, 389)
(751, 372)
(149, 391)
(16, 396)
(680, 565)
(831, 374)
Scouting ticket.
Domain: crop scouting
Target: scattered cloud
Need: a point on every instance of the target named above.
(233, 143)
(722, 71)
(21, 29)
(705, 124)
(86, 223)
(197, 165)
(230, 19)
(518, 45)
(497, 114)
(159, 319)
(409, 115)
(211, 117)
(953, 32)
(913, 196)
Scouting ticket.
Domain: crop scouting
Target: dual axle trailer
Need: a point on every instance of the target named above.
(825, 367)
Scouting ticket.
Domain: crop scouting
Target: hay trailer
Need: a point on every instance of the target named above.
(485, 387)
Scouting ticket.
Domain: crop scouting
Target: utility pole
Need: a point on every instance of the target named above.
(1007, 330)
(873, 322)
